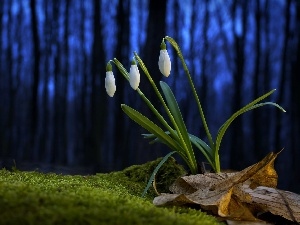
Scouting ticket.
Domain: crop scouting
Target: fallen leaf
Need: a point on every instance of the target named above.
(277, 202)
(236, 196)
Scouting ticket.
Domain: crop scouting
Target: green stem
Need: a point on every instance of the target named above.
(157, 114)
(208, 134)
(186, 70)
(146, 100)
(193, 161)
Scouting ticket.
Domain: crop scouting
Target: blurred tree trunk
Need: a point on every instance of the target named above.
(82, 134)
(204, 62)
(176, 64)
(237, 155)
(230, 64)
(17, 80)
(177, 72)
(65, 84)
(1, 53)
(44, 146)
(156, 28)
(58, 122)
(97, 115)
(34, 112)
(122, 53)
(188, 106)
(258, 131)
(282, 78)
(60, 132)
(295, 106)
(266, 120)
(2, 81)
(10, 147)
(194, 39)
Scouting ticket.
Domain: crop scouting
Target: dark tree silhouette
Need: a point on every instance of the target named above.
(155, 31)
(261, 117)
(12, 93)
(82, 106)
(44, 142)
(204, 62)
(121, 137)
(238, 76)
(257, 84)
(282, 78)
(295, 106)
(97, 114)
(266, 76)
(34, 112)
(2, 80)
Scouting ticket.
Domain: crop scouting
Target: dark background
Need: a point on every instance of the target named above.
(56, 116)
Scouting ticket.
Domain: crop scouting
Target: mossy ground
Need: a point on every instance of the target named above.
(112, 198)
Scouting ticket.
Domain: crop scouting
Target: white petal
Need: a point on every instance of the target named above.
(110, 85)
(134, 77)
(164, 63)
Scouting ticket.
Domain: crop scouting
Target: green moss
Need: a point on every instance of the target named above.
(114, 198)
(163, 179)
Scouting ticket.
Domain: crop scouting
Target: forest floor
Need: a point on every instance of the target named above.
(33, 197)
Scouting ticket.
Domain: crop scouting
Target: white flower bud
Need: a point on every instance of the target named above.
(134, 77)
(110, 85)
(164, 63)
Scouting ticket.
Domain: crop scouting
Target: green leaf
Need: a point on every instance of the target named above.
(175, 111)
(204, 148)
(155, 172)
(186, 70)
(252, 105)
(121, 68)
(149, 126)
(263, 104)
(152, 136)
(200, 144)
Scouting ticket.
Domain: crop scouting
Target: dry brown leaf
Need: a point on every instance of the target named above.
(277, 202)
(259, 174)
(238, 196)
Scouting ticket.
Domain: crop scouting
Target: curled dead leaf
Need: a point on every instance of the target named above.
(237, 196)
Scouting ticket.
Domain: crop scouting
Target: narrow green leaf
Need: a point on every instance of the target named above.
(175, 111)
(263, 104)
(252, 105)
(121, 68)
(174, 108)
(155, 172)
(160, 97)
(204, 148)
(186, 70)
(200, 144)
(149, 126)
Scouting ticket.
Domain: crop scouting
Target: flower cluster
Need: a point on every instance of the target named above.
(164, 64)
(171, 129)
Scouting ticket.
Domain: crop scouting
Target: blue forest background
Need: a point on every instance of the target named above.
(56, 116)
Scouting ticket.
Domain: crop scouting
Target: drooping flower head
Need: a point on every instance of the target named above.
(134, 75)
(110, 82)
(164, 62)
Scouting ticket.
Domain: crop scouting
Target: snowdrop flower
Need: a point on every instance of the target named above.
(164, 62)
(110, 84)
(134, 76)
